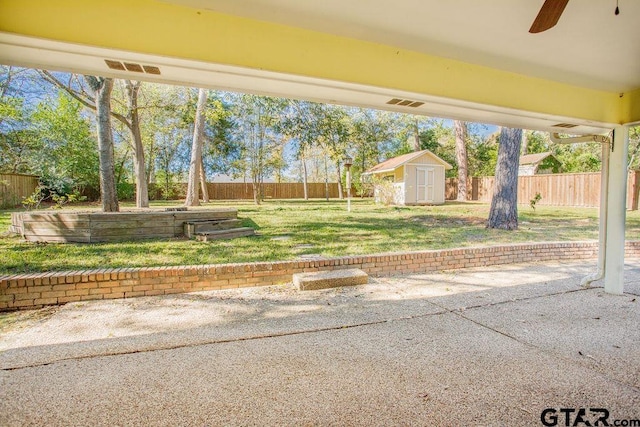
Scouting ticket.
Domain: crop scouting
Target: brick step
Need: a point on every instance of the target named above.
(330, 279)
(191, 228)
(231, 233)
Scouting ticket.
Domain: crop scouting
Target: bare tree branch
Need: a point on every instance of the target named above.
(81, 96)
(87, 102)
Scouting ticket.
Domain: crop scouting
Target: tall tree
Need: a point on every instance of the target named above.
(202, 175)
(133, 123)
(131, 120)
(334, 138)
(525, 143)
(504, 204)
(461, 158)
(257, 133)
(195, 166)
(302, 156)
(102, 88)
(301, 123)
(416, 134)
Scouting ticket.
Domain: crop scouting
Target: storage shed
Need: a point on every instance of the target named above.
(416, 178)
(538, 164)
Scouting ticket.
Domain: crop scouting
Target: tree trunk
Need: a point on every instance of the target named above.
(326, 178)
(504, 204)
(150, 157)
(340, 189)
(257, 192)
(108, 193)
(416, 136)
(203, 182)
(304, 177)
(525, 144)
(139, 164)
(196, 151)
(132, 121)
(461, 158)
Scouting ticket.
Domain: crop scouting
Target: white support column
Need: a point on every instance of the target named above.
(617, 210)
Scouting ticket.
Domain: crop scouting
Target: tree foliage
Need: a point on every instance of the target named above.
(67, 158)
(45, 129)
(256, 134)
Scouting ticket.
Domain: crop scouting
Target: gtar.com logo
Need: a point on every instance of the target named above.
(552, 417)
(588, 417)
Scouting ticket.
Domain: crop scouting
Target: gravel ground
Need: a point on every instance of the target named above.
(487, 346)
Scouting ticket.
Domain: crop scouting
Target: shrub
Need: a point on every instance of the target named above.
(535, 200)
(34, 200)
(385, 192)
(126, 191)
(42, 193)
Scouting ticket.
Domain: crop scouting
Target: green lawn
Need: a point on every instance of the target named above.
(290, 229)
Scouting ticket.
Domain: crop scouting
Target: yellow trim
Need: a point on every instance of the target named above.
(154, 27)
(630, 107)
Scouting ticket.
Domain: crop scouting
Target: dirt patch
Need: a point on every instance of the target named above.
(22, 319)
(448, 221)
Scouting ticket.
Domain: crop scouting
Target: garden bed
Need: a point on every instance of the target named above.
(93, 227)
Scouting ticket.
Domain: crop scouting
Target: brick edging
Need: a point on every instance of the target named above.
(37, 290)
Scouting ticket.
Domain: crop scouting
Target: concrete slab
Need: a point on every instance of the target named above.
(493, 284)
(143, 324)
(590, 328)
(437, 371)
(330, 279)
(404, 351)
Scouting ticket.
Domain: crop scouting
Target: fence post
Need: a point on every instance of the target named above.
(475, 182)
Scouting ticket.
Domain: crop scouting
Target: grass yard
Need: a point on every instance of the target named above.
(291, 229)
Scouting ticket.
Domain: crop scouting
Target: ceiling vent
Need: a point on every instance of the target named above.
(133, 67)
(564, 125)
(150, 69)
(115, 65)
(405, 102)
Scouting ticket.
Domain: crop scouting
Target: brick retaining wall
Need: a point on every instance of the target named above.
(37, 290)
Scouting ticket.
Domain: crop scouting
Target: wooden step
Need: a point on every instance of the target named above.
(330, 279)
(192, 228)
(231, 233)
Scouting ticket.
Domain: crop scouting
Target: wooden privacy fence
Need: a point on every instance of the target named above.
(283, 190)
(14, 187)
(572, 189)
(241, 191)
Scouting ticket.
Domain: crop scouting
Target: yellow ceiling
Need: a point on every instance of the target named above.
(189, 39)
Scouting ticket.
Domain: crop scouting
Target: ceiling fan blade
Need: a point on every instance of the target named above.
(548, 16)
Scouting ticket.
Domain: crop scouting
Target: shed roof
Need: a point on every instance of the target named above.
(395, 162)
(534, 159)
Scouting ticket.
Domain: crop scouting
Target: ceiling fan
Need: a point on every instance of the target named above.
(550, 14)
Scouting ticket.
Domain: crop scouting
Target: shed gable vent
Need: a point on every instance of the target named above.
(131, 66)
(405, 102)
(564, 125)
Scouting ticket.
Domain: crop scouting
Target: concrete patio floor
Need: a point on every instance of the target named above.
(487, 346)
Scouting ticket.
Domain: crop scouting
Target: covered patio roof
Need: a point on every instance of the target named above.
(461, 59)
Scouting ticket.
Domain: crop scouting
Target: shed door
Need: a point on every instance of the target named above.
(424, 186)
